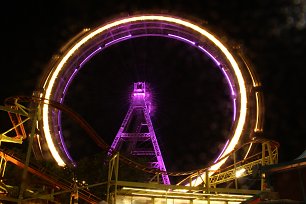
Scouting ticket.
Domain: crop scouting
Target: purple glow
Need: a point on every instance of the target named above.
(210, 55)
(181, 38)
(89, 56)
(62, 141)
(140, 102)
(61, 100)
(59, 119)
(71, 77)
(139, 94)
(234, 116)
(64, 146)
(139, 91)
(118, 39)
(229, 81)
(218, 64)
(222, 151)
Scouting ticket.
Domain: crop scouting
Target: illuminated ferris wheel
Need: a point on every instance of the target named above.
(246, 97)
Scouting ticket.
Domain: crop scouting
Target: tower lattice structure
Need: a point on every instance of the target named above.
(136, 135)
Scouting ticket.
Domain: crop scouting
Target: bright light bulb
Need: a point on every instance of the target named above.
(240, 172)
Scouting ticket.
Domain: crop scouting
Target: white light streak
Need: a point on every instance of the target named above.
(118, 39)
(210, 55)
(222, 151)
(229, 81)
(234, 108)
(181, 38)
(89, 56)
(247, 153)
(257, 112)
(240, 172)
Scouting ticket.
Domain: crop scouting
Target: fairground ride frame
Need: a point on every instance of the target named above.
(242, 82)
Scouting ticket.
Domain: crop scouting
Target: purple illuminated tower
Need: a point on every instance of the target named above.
(136, 135)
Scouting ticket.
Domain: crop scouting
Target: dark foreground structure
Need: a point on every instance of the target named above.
(288, 180)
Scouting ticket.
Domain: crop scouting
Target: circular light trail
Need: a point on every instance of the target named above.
(92, 42)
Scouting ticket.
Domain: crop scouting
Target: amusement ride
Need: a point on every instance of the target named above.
(136, 144)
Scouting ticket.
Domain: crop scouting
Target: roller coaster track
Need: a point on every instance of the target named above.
(15, 101)
(267, 156)
(12, 101)
(56, 182)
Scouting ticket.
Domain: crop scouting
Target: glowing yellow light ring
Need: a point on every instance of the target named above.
(48, 86)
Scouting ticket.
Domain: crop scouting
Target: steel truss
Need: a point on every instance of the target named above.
(267, 154)
(137, 132)
(117, 190)
(129, 192)
(20, 114)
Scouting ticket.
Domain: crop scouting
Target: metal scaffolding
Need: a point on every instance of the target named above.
(137, 133)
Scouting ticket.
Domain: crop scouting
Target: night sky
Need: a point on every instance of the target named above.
(193, 111)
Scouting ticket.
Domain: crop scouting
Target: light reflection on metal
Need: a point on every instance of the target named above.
(89, 56)
(64, 145)
(256, 129)
(229, 82)
(222, 151)
(39, 145)
(146, 190)
(186, 192)
(117, 40)
(181, 198)
(210, 55)
(250, 70)
(53, 149)
(234, 109)
(69, 81)
(248, 151)
(240, 172)
(133, 194)
(181, 38)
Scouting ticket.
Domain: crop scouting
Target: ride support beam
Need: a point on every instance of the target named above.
(27, 162)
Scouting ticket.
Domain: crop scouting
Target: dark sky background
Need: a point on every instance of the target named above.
(188, 104)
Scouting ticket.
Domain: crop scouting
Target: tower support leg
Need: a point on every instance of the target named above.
(27, 162)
